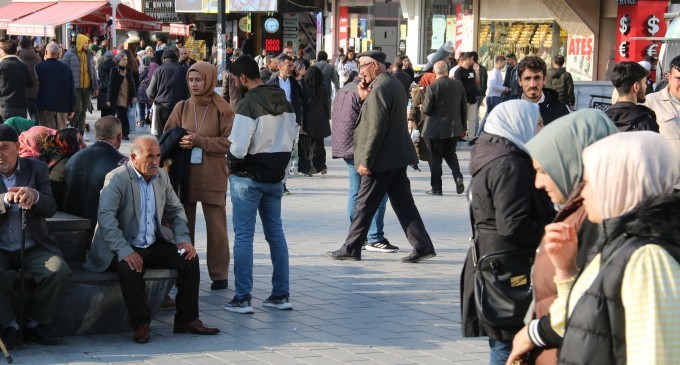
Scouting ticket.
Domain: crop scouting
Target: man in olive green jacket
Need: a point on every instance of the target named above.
(382, 151)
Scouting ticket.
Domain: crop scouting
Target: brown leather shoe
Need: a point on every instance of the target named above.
(141, 334)
(196, 327)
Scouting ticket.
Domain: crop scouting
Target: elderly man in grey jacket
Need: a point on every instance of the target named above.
(446, 107)
(134, 200)
(382, 151)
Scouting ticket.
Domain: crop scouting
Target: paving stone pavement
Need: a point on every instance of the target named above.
(376, 311)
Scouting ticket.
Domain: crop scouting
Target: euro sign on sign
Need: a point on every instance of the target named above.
(625, 24)
(651, 50)
(653, 25)
(624, 49)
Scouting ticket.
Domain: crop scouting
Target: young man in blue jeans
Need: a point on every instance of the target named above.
(261, 139)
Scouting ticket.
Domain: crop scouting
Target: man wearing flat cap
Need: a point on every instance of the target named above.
(382, 151)
(168, 87)
(26, 185)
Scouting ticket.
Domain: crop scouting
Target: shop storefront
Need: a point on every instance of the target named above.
(638, 21)
(445, 21)
(366, 24)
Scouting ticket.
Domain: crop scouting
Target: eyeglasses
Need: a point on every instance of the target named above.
(364, 65)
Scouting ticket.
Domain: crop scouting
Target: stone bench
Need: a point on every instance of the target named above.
(92, 303)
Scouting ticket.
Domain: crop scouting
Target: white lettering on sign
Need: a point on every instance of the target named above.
(653, 25)
(625, 24)
(624, 49)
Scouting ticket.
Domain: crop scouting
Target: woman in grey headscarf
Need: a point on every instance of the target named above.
(509, 212)
(622, 307)
(556, 154)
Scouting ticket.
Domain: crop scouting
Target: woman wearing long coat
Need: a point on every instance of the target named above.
(208, 119)
(122, 91)
(315, 124)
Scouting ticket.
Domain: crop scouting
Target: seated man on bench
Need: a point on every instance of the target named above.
(134, 200)
(26, 184)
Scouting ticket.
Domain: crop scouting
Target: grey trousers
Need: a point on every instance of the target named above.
(82, 105)
(50, 272)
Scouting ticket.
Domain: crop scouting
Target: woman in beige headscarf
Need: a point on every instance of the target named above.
(207, 119)
(624, 306)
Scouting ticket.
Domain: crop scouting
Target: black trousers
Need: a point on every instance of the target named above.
(443, 149)
(162, 116)
(121, 114)
(311, 152)
(373, 188)
(162, 255)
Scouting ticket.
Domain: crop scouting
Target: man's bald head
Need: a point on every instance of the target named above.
(440, 68)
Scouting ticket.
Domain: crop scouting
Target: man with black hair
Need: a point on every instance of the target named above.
(511, 78)
(629, 79)
(561, 81)
(261, 140)
(31, 58)
(468, 74)
(531, 77)
(329, 75)
(15, 79)
(666, 105)
(483, 76)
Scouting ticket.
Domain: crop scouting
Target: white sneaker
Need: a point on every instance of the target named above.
(280, 302)
(243, 306)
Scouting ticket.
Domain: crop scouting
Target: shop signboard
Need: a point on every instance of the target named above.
(643, 18)
(290, 30)
(580, 57)
(164, 11)
(271, 37)
(438, 30)
(450, 28)
(353, 26)
(343, 25)
(464, 32)
(244, 24)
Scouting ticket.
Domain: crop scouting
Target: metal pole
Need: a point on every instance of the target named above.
(21, 278)
(221, 38)
(114, 6)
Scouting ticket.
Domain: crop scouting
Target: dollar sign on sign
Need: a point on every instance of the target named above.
(653, 25)
(624, 25)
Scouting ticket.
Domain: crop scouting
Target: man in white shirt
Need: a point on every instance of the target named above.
(494, 89)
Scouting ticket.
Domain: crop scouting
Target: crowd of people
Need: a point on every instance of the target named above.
(572, 211)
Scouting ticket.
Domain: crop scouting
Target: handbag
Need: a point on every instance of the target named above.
(503, 289)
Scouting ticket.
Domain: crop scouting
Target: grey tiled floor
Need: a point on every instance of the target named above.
(376, 311)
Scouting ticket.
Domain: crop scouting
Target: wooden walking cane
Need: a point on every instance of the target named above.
(5, 352)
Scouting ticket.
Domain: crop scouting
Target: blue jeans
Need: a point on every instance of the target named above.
(375, 231)
(500, 351)
(249, 197)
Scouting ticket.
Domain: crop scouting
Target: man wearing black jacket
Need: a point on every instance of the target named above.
(629, 79)
(168, 87)
(16, 78)
(531, 76)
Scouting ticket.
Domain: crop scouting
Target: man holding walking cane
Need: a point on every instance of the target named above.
(25, 185)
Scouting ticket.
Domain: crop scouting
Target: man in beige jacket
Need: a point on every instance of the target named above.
(666, 105)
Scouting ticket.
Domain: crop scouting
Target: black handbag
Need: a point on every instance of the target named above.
(503, 290)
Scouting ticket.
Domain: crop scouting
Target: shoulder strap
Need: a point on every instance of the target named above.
(473, 239)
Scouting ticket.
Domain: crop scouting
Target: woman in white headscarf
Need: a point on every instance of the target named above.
(624, 306)
(509, 212)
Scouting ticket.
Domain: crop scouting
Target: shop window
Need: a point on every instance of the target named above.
(543, 39)
(439, 24)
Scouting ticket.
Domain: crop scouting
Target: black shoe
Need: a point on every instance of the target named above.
(285, 190)
(36, 335)
(341, 255)
(415, 257)
(126, 138)
(433, 192)
(219, 285)
(472, 142)
(460, 186)
(10, 336)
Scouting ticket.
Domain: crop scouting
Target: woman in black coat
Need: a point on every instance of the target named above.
(121, 93)
(315, 124)
(104, 72)
(509, 212)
